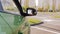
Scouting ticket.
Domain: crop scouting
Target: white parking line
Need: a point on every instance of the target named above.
(45, 30)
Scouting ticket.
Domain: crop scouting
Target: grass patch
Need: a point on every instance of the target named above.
(33, 21)
(57, 16)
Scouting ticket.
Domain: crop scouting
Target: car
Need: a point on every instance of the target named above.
(14, 23)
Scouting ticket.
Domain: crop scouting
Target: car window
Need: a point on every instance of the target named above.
(9, 6)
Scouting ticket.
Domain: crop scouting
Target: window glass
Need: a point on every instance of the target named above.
(8, 5)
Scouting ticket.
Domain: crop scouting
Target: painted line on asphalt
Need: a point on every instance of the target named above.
(45, 30)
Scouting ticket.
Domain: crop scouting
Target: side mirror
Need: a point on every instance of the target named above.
(31, 11)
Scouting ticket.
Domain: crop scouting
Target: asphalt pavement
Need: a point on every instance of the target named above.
(51, 23)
